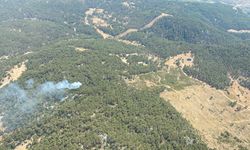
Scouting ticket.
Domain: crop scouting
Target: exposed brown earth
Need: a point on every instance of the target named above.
(24, 145)
(181, 60)
(14, 74)
(90, 12)
(134, 43)
(81, 49)
(126, 33)
(221, 117)
(99, 22)
(149, 25)
(238, 93)
(103, 34)
(208, 110)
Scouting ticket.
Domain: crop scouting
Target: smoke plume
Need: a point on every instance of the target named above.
(19, 103)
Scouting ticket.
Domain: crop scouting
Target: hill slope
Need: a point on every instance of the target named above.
(93, 74)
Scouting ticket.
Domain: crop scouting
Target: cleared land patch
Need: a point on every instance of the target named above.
(181, 60)
(220, 116)
(14, 74)
(100, 22)
(239, 93)
(150, 24)
(81, 49)
(24, 145)
(210, 112)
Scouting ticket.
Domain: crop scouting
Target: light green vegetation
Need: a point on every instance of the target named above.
(174, 79)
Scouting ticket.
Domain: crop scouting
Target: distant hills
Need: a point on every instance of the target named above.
(237, 4)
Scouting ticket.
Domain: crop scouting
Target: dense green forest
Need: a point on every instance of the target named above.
(105, 112)
(218, 53)
(104, 106)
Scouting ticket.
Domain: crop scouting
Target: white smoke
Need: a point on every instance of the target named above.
(51, 86)
(18, 103)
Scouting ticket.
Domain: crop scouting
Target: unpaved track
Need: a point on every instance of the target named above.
(149, 25)
(103, 34)
(100, 22)
(126, 33)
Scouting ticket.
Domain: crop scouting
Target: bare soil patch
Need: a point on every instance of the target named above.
(208, 110)
(238, 92)
(134, 43)
(100, 22)
(150, 24)
(126, 33)
(221, 117)
(90, 12)
(103, 34)
(24, 145)
(14, 74)
(81, 49)
(181, 60)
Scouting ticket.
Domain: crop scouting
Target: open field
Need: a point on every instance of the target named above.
(220, 116)
(13, 74)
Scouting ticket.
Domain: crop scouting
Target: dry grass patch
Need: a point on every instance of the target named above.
(209, 111)
(181, 60)
(238, 92)
(14, 74)
(24, 145)
(221, 117)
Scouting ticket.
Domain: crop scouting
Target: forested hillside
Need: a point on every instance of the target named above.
(67, 66)
(105, 106)
(203, 28)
